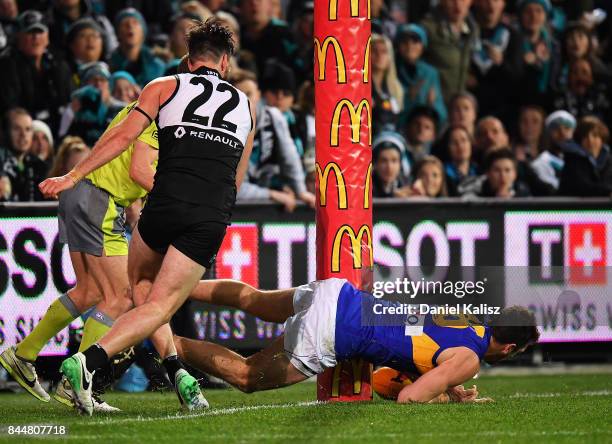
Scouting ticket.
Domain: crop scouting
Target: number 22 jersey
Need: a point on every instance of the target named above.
(203, 128)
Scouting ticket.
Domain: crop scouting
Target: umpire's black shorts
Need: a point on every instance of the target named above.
(186, 226)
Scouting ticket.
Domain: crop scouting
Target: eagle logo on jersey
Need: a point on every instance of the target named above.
(180, 132)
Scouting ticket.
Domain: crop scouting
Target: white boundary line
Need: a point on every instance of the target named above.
(206, 413)
(559, 394)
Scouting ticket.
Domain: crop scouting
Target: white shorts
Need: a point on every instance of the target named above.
(310, 334)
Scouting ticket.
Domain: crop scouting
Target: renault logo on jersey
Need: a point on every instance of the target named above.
(180, 132)
(356, 241)
(355, 113)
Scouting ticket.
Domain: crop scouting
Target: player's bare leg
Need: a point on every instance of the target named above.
(267, 305)
(268, 369)
(18, 360)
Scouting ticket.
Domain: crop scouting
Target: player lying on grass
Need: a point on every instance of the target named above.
(323, 326)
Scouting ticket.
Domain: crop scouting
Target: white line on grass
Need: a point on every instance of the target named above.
(559, 394)
(213, 412)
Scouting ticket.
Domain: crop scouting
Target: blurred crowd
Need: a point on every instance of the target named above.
(491, 98)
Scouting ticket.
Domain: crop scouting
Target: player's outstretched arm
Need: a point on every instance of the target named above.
(113, 142)
(461, 367)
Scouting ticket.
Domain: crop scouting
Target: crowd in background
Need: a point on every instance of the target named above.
(491, 98)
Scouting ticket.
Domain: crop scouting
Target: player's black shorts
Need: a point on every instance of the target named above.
(186, 226)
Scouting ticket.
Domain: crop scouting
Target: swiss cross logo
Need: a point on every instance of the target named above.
(587, 253)
(238, 255)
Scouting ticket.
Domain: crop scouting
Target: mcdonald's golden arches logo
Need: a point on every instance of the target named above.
(356, 241)
(357, 367)
(355, 118)
(333, 9)
(321, 57)
(366, 61)
(323, 184)
(366, 189)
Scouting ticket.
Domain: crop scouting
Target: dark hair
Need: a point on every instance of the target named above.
(515, 325)
(209, 40)
(495, 155)
(424, 111)
(588, 124)
(576, 27)
(442, 147)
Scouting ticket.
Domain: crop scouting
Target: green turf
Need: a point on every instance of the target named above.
(532, 409)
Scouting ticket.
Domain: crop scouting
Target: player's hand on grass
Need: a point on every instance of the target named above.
(53, 186)
(462, 395)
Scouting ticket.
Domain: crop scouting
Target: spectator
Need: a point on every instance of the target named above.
(382, 22)
(65, 13)
(196, 8)
(277, 87)
(24, 169)
(215, 6)
(93, 107)
(304, 114)
(583, 95)
(132, 55)
(588, 165)
(430, 179)
(421, 131)
(42, 142)
(497, 61)
(528, 141)
(420, 80)
(180, 25)
(85, 42)
(303, 29)
(275, 171)
(387, 180)
(490, 135)
(386, 138)
(463, 110)
(264, 36)
(578, 44)
(560, 127)
(71, 152)
(457, 142)
(452, 35)
(8, 17)
(539, 51)
(387, 91)
(157, 13)
(30, 76)
(123, 86)
(501, 176)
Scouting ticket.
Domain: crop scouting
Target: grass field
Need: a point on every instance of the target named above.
(532, 409)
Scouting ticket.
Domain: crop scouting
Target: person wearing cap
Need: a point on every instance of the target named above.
(539, 49)
(42, 142)
(85, 44)
(452, 36)
(420, 80)
(123, 86)
(387, 177)
(64, 14)
(93, 107)
(30, 75)
(559, 130)
(497, 61)
(133, 55)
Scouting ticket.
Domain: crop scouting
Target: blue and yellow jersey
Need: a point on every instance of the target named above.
(389, 345)
(114, 176)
